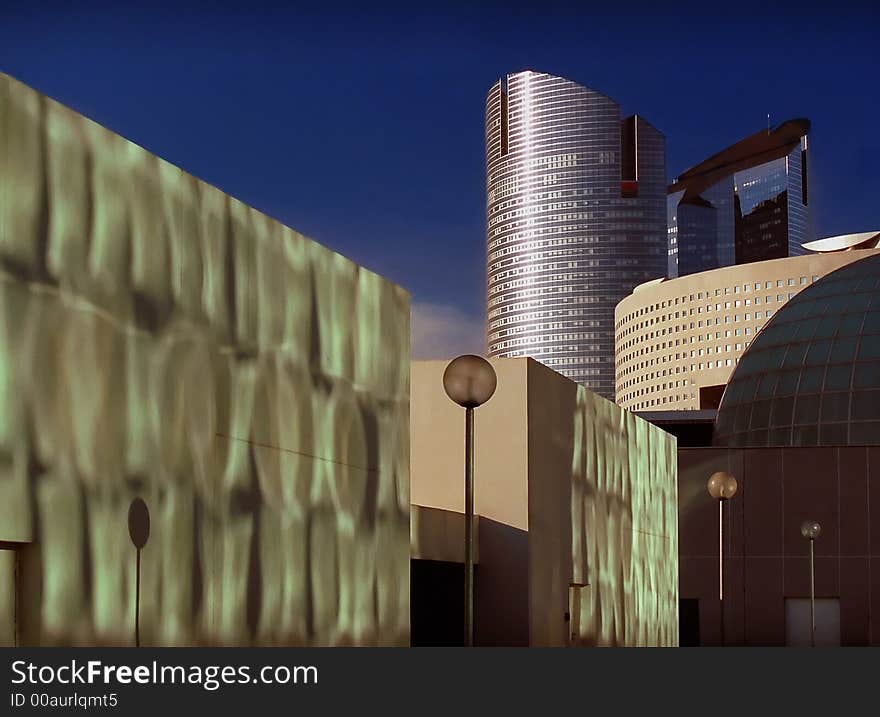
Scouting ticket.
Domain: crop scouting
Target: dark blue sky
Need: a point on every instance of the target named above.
(363, 128)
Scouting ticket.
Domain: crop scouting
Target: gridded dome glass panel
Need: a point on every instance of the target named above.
(812, 376)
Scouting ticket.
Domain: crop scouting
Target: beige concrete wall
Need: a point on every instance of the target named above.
(500, 445)
(552, 407)
(437, 534)
(501, 492)
(661, 324)
(161, 339)
(502, 605)
(593, 485)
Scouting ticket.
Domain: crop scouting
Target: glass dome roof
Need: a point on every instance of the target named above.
(812, 376)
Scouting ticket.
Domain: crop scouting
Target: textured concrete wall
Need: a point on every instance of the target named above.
(624, 527)
(160, 339)
(594, 486)
(603, 509)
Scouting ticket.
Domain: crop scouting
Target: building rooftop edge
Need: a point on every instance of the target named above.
(762, 146)
(4, 76)
(844, 242)
(742, 267)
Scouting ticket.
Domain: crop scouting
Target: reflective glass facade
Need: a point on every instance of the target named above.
(704, 227)
(771, 219)
(575, 220)
(749, 203)
(812, 376)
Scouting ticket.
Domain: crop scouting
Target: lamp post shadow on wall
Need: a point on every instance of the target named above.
(469, 381)
(139, 532)
(722, 487)
(811, 530)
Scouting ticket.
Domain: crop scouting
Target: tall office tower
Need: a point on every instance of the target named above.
(575, 220)
(746, 203)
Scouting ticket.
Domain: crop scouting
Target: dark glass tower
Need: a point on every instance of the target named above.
(575, 220)
(746, 203)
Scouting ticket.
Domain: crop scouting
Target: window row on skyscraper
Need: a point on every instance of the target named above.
(690, 326)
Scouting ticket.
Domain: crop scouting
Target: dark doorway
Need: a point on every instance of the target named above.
(436, 604)
(8, 598)
(710, 397)
(689, 622)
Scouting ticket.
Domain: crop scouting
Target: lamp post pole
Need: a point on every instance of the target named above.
(722, 487)
(470, 381)
(721, 563)
(812, 598)
(721, 501)
(469, 527)
(811, 530)
(139, 532)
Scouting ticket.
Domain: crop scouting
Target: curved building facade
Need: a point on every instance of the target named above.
(575, 220)
(678, 341)
(813, 375)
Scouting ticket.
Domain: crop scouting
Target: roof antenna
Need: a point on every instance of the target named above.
(768, 123)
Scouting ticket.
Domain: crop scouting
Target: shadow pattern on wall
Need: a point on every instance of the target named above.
(624, 528)
(161, 339)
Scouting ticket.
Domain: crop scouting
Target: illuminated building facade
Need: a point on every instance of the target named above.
(161, 340)
(575, 220)
(747, 203)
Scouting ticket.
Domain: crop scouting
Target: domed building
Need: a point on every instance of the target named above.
(812, 376)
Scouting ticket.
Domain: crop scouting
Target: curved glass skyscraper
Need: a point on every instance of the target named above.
(576, 217)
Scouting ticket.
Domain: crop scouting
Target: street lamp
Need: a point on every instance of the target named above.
(470, 381)
(139, 532)
(722, 487)
(811, 530)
